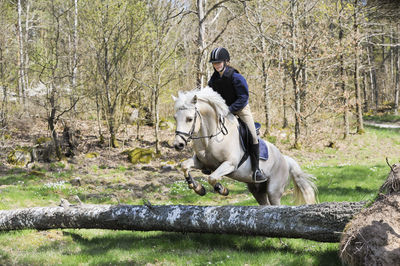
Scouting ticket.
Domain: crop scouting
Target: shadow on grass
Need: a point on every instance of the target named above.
(340, 191)
(14, 178)
(199, 245)
(5, 258)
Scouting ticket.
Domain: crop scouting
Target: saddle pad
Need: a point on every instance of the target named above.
(263, 149)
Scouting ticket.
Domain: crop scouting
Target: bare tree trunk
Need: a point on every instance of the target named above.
(267, 100)
(98, 113)
(139, 114)
(397, 80)
(3, 110)
(22, 85)
(372, 75)
(360, 126)
(345, 97)
(74, 56)
(365, 92)
(284, 88)
(319, 222)
(52, 121)
(26, 62)
(199, 64)
(156, 119)
(293, 73)
(284, 101)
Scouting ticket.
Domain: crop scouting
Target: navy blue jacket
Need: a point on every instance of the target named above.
(232, 87)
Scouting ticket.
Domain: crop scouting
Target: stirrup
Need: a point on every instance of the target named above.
(260, 172)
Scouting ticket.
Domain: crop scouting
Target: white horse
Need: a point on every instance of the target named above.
(203, 116)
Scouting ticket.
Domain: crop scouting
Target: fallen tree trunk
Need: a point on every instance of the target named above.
(319, 222)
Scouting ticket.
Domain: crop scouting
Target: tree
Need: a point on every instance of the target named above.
(164, 16)
(346, 124)
(73, 62)
(7, 67)
(50, 61)
(357, 89)
(114, 26)
(22, 80)
(397, 76)
(209, 31)
(263, 42)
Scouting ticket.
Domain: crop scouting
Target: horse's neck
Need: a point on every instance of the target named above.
(209, 121)
(211, 124)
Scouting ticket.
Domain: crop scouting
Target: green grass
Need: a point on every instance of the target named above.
(94, 247)
(383, 118)
(340, 177)
(349, 182)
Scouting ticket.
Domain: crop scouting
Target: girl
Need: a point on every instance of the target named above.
(234, 90)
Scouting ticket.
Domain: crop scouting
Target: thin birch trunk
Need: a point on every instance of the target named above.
(357, 89)
(294, 70)
(345, 98)
(397, 83)
(75, 55)
(22, 85)
(199, 63)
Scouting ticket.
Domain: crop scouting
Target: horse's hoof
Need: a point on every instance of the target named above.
(200, 191)
(221, 190)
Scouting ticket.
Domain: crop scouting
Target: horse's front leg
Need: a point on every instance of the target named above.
(186, 167)
(225, 168)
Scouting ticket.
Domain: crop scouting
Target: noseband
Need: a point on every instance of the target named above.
(190, 136)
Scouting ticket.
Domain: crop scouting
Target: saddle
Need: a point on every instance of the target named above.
(246, 141)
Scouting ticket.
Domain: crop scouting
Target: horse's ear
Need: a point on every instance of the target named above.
(194, 100)
(174, 98)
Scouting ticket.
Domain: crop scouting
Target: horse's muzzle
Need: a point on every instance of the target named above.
(179, 146)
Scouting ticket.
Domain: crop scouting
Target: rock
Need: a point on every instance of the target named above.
(20, 156)
(148, 168)
(76, 182)
(166, 168)
(44, 149)
(139, 155)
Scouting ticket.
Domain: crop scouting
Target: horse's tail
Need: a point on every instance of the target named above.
(304, 188)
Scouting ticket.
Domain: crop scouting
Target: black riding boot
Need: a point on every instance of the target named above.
(258, 175)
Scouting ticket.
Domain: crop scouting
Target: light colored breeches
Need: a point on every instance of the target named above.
(247, 117)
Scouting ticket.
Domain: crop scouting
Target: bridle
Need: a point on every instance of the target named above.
(190, 136)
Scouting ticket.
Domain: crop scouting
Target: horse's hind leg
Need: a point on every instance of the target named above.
(186, 167)
(259, 192)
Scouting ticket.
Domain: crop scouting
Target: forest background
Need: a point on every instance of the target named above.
(314, 67)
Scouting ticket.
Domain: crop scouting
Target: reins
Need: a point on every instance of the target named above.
(190, 136)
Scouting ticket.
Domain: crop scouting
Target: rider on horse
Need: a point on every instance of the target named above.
(233, 88)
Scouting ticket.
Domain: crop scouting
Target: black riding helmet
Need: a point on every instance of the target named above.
(219, 54)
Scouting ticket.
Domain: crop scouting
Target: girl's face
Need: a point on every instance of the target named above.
(219, 66)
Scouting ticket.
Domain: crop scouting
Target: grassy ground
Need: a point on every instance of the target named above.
(352, 171)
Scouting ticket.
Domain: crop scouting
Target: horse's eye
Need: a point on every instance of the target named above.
(189, 119)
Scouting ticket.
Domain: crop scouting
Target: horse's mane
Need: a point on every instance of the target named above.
(207, 95)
